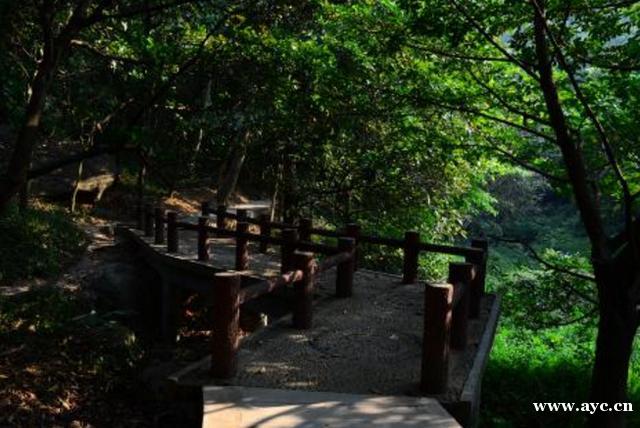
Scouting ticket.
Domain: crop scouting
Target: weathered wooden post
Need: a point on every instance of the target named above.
(479, 260)
(290, 238)
(221, 216)
(302, 313)
(148, 220)
(172, 232)
(304, 229)
(226, 318)
(242, 246)
(411, 251)
(353, 231)
(159, 223)
(460, 275)
(241, 215)
(435, 341)
(344, 274)
(203, 238)
(265, 231)
(140, 217)
(205, 209)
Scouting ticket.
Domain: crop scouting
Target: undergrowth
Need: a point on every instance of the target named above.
(63, 363)
(544, 345)
(37, 242)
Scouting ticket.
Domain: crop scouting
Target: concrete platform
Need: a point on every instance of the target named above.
(243, 407)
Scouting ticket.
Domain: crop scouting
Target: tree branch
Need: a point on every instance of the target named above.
(464, 109)
(100, 16)
(604, 140)
(457, 55)
(505, 104)
(546, 263)
(523, 65)
(85, 45)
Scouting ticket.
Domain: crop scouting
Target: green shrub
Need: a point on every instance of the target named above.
(36, 242)
(552, 365)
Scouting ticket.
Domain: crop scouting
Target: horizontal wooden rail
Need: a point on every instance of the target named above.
(450, 249)
(334, 260)
(380, 240)
(316, 248)
(327, 232)
(369, 239)
(269, 285)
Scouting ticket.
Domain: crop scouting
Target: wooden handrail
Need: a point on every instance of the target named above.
(334, 260)
(371, 239)
(269, 285)
(448, 307)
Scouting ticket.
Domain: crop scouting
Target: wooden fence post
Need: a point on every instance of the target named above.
(203, 238)
(304, 229)
(460, 275)
(241, 215)
(148, 220)
(290, 237)
(435, 341)
(242, 246)
(479, 260)
(159, 223)
(411, 251)
(353, 231)
(265, 231)
(172, 232)
(302, 313)
(344, 274)
(205, 208)
(221, 216)
(226, 318)
(140, 216)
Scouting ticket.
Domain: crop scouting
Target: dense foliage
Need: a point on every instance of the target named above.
(398, 114)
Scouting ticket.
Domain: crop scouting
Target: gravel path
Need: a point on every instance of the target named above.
(370, 343)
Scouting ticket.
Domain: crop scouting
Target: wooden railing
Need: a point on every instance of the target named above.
(447, 307)
(299, 268)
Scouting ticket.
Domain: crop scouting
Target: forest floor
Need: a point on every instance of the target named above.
(65, 362)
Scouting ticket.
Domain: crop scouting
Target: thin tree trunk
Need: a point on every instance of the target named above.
(276, 194)
(231, 172)
(206, 102)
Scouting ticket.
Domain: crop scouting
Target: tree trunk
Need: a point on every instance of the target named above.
(615, 277)
(614, 345)
(231, 171)
(16, 175)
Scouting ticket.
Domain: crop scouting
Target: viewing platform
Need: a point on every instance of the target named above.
(351, 331)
